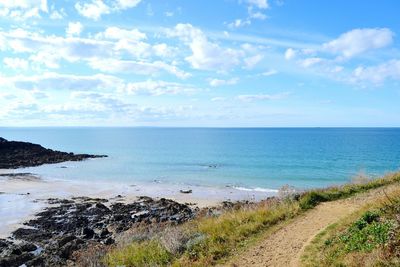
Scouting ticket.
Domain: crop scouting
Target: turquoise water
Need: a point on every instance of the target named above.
(241, 157)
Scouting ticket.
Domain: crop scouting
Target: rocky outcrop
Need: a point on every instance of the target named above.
(21, 154)
(72, 224)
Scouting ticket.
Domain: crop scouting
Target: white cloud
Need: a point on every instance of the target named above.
(308, 62)
(16, 63)
(39, 94)
(218, 99)
(238, 23)
(124, 4)
(358, 41)
(136, 67)
(140, 50)
(250, 62)
(89, 108)
(93, 10)
(257, 15)
(54, 81)
(71, 49)
(377, 74)
(58, 14)
(115, 33)
(23, 9)
(7, 96)
(163, 50)
(25, 4)
(169, 14)
(262, 4)
(250, 98)
(132, 42)
(74, 29)
(206, 55)
(48, 59)
(220, 82)
(101, 52)
(290, 53)
(157, 88)
(269, 72)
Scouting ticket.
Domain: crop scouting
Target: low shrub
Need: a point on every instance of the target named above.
(366, 234)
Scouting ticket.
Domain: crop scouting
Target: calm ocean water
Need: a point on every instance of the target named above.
(248, 158)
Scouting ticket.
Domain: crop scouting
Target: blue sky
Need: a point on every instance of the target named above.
(267, 63)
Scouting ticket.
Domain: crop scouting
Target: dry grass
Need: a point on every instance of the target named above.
(209, 240)
(92, 256)
(313, 197)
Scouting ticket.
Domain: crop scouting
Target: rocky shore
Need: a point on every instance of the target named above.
(15, 155)
(69, 225)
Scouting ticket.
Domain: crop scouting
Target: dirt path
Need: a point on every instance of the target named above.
(285, 246)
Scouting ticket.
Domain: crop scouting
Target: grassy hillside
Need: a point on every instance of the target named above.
(369, 237)
(209, 240)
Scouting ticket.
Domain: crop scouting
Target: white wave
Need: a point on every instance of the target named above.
(256, 189)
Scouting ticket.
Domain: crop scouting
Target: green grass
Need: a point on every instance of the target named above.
(364, 235)
(312, 198)
(146, 253)
(368, 237)
(231, 231)
(208, 241)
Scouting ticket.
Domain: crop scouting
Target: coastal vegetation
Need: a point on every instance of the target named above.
(368, 237)
(360, 184)
(212, 239)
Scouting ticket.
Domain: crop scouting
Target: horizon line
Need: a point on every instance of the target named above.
(205, 127)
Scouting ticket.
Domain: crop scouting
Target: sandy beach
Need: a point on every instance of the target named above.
(21, 196)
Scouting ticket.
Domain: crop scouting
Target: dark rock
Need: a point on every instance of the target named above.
(102, 207)
(66, 240)
(15, 155)
(67, 250)
(37, 262)
(16, 260)
(31, 235)
(87, 233)
(28, 247)
(4, 244)
(16, 251)
(58, 231)
(109, 241)
(104, 233)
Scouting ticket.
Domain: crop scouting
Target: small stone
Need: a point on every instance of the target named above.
(109, 241)
(66, 240)
(87, 233)
(28, 247)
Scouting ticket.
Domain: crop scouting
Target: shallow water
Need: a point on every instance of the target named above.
(250, 158)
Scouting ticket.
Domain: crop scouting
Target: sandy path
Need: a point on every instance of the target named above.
(285, 246)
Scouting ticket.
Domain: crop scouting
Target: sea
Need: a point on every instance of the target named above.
(249, 159)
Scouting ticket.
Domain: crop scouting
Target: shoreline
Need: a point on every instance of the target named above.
(22, 195)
